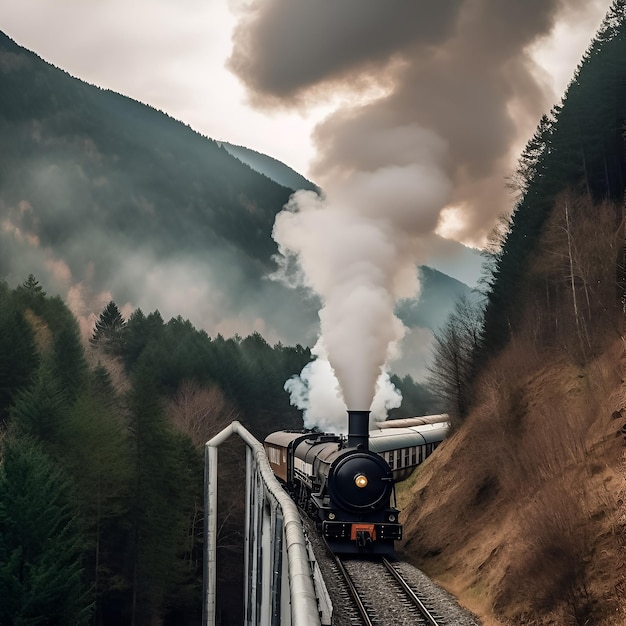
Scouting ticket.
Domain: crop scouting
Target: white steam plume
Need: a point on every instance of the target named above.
(358, 248)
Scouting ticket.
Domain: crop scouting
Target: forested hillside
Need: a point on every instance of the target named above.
(270, 167)
(521, 512)
(108, 460)
(106, 442)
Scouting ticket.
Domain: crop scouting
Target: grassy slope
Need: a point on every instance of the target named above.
(521, 514)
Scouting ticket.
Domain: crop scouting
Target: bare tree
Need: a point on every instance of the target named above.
(201, 412)
(580, 246)
(453, 355)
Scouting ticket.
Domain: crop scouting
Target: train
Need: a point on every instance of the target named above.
(347, 485)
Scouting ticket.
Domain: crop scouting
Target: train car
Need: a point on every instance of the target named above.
(404, 448)
(415, 421)
(344, 486)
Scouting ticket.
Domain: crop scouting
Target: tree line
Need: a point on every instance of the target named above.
(102, 450)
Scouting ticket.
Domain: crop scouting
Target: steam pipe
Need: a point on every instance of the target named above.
(358, 429)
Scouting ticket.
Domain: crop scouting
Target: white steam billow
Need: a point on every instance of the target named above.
(358, 248)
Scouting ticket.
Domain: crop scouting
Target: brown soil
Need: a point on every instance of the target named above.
(521, 513)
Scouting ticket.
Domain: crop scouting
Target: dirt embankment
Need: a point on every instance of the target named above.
(521, 513)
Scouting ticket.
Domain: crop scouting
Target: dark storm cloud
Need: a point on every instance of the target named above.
(459, 69)
(282, 47)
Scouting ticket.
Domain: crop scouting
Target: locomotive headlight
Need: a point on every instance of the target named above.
(360, 480)
(331, 516)
(392, 518)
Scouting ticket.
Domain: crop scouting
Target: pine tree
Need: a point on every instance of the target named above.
(158, 518)
(40, 542)
(96, 454)
(69, 358)
(31, 284)
(108, 332)
(39, 410)
(18, 356)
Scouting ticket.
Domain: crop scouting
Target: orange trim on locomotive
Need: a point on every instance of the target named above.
(370, 528)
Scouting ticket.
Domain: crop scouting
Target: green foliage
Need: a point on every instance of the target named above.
(70, 144)
(40, 542)
(69, 358)
(579, 146)
(30, 294)
(109, 331)
(249, 371)
(39, 410)
(18, 354)
(94, 449)
(133, 482)
(158, 509)
(140, 331)
(417, 399)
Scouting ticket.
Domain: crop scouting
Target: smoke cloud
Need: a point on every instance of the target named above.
(358, 248)
(458, 88)
(462, 69)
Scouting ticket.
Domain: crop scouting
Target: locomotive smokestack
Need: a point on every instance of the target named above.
(358, 429)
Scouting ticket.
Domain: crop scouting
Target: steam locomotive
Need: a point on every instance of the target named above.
(347, 488)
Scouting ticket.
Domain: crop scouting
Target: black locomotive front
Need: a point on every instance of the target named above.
(346, 488)
(355, 509)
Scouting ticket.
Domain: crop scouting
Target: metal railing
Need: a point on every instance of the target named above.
(273, 529)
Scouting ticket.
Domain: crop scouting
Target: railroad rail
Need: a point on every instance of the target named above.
(398, 603)
(431, 619)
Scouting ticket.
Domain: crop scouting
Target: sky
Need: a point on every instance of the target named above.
(410, 115)
(174, 56)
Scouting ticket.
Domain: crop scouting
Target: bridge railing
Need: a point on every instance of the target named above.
(273, 530)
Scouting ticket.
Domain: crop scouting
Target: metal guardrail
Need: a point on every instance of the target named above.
(273, 529)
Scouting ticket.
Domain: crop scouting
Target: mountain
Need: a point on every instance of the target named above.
(447, 256)
(441, 292)
(272, 168)
(102, 197)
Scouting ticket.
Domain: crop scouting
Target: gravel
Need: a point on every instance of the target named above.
(381, 594)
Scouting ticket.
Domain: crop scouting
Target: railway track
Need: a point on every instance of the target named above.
(381, 595)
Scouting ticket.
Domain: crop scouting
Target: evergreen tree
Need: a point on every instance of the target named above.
(40, 542)
(579, 146)
(18, 355)
(417, 399)
(69, 358)
(39, 410)
(158, 518)
(31, 294)
(108, 332)
(140, 331)
(96, 454)
(32, 286)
